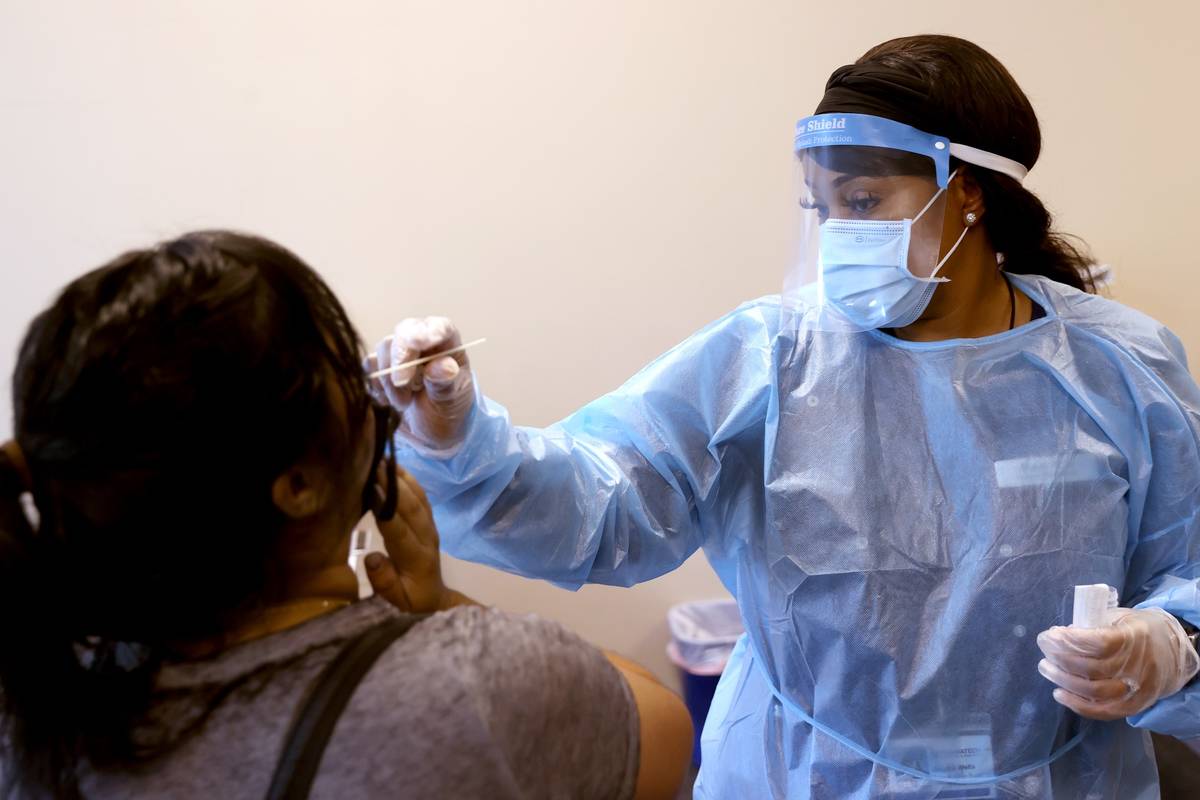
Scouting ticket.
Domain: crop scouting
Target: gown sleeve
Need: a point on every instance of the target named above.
(1164, 569)
(625, 489)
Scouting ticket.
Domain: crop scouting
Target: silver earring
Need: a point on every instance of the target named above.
(971, 218)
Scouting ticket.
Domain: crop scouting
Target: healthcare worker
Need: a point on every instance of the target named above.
(900, 467)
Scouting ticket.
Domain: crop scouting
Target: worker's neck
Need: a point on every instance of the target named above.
(976, 302)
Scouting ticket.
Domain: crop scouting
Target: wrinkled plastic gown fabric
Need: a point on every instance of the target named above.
(897, 521)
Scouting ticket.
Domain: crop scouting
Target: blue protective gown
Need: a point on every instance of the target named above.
(897, 521)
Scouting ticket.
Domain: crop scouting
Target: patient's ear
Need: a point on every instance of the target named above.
(299, 492)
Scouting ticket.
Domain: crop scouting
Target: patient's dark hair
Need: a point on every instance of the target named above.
(155, 402)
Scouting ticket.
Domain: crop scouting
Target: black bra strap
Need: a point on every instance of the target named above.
(327, 699)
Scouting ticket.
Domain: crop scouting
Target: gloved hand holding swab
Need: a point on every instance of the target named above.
(434, 393)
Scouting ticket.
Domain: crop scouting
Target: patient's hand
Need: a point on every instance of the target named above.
(409, 576)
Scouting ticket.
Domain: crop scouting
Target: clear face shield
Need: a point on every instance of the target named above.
(871, 203)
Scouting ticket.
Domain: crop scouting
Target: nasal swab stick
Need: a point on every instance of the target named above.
(425, 360)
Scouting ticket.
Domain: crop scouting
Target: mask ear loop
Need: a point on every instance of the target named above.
(961, 236)
(950, 252)
(936, 195)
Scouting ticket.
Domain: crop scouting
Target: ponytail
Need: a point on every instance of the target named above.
(1020, 229)
(32, 659)
(53, 709)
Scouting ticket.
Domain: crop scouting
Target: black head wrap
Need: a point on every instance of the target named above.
(897, 95)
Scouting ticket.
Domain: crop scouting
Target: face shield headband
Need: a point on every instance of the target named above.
(865, 130)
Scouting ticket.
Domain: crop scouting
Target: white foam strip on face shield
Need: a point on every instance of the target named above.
(982, 158)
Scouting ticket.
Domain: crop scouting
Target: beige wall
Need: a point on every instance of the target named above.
(583, 182)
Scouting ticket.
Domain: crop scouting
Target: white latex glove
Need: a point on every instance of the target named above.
(1122, 669)
(434, 400)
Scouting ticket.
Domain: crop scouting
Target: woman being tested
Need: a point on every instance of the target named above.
(194, 430)
(901, 468)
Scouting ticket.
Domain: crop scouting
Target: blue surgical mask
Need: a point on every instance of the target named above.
(865, 275)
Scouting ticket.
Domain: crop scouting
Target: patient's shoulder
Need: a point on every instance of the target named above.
(475, 701)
